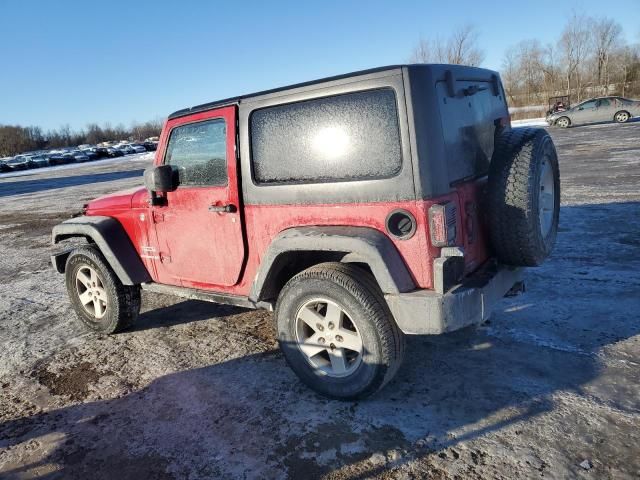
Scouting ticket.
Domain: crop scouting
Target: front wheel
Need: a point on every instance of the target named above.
(621, 117)
(336, 331)
(100, 300)
(563, 122)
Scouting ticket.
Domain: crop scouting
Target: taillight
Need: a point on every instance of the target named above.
(442, 224)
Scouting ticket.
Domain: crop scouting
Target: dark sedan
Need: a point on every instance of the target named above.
(61, 158)
(19, 163)
(114, 152)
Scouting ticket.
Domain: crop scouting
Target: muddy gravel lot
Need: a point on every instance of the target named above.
(550, 387)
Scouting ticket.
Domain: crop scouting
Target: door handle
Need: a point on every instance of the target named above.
(222, 208)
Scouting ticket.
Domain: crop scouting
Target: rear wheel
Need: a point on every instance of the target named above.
(621, 117)
(336, 331)
(99, 299)
(563, 122)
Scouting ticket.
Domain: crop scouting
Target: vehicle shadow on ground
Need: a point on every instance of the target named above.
(21, 187)
(183, 312)
(250, 417)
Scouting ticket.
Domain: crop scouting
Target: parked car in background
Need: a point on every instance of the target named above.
(89, 152)
(79, 156)
(150, 145)
(3, 165)
(138, 148)
(125, 149)
(24, 159)
(61, 158)
(114, 152)
(602, 109)
(19, 163)
(101, 152)
(39, 161)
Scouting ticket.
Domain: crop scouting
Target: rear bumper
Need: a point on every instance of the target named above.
(428, 312)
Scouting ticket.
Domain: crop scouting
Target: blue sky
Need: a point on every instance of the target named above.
(64, 62)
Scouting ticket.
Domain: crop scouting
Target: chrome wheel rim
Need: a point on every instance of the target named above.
(546, 197)
(328, 337)
(91, 291)
(622, 117)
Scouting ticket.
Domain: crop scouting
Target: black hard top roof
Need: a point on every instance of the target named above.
(233, 100)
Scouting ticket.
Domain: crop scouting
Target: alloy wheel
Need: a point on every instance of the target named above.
(328, 337)
(91, 291)
(622, 117)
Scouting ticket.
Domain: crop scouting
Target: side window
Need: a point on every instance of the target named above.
(199, 152)
(589, 104)
(604, 102)
(353, 136)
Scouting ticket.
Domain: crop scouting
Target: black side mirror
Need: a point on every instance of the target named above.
(161, 179)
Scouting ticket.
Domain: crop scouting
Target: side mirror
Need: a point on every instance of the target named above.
(161, 179)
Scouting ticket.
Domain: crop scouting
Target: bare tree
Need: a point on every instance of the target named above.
(461, 48)
(510, 73)
(627, 64)
(574, 45)
(606, 38)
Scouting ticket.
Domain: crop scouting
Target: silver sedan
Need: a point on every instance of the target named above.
(603, 109)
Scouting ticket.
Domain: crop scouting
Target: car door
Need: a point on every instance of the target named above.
(584, 113)
(605, 110)
(200, 237)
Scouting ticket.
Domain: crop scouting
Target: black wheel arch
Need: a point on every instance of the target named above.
(297, 249)
(110, 238)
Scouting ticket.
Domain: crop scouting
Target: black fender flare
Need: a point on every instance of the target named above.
(358, 244)
(112, 240)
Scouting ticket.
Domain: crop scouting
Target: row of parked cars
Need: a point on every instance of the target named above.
(82, 153)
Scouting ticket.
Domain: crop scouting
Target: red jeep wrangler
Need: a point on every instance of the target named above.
(359, 208)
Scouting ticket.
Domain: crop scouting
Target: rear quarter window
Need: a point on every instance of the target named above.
(346, 137)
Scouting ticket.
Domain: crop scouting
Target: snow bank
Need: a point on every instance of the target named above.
(530, 122)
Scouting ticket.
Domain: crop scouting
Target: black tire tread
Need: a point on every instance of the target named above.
(512, 208)
(362, 285)
(126, 301)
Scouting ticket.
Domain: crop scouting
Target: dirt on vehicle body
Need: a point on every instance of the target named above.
(359, 208)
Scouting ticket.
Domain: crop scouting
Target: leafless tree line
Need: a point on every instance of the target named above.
(15, 139)
(590, 58)
(461, 48)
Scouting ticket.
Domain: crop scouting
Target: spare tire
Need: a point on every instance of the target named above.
(523, 197)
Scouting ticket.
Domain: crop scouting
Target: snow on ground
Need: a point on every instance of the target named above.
(530, 122)
(144, 157)
(199, 390)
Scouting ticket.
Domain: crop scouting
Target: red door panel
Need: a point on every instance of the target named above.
(199, 230)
